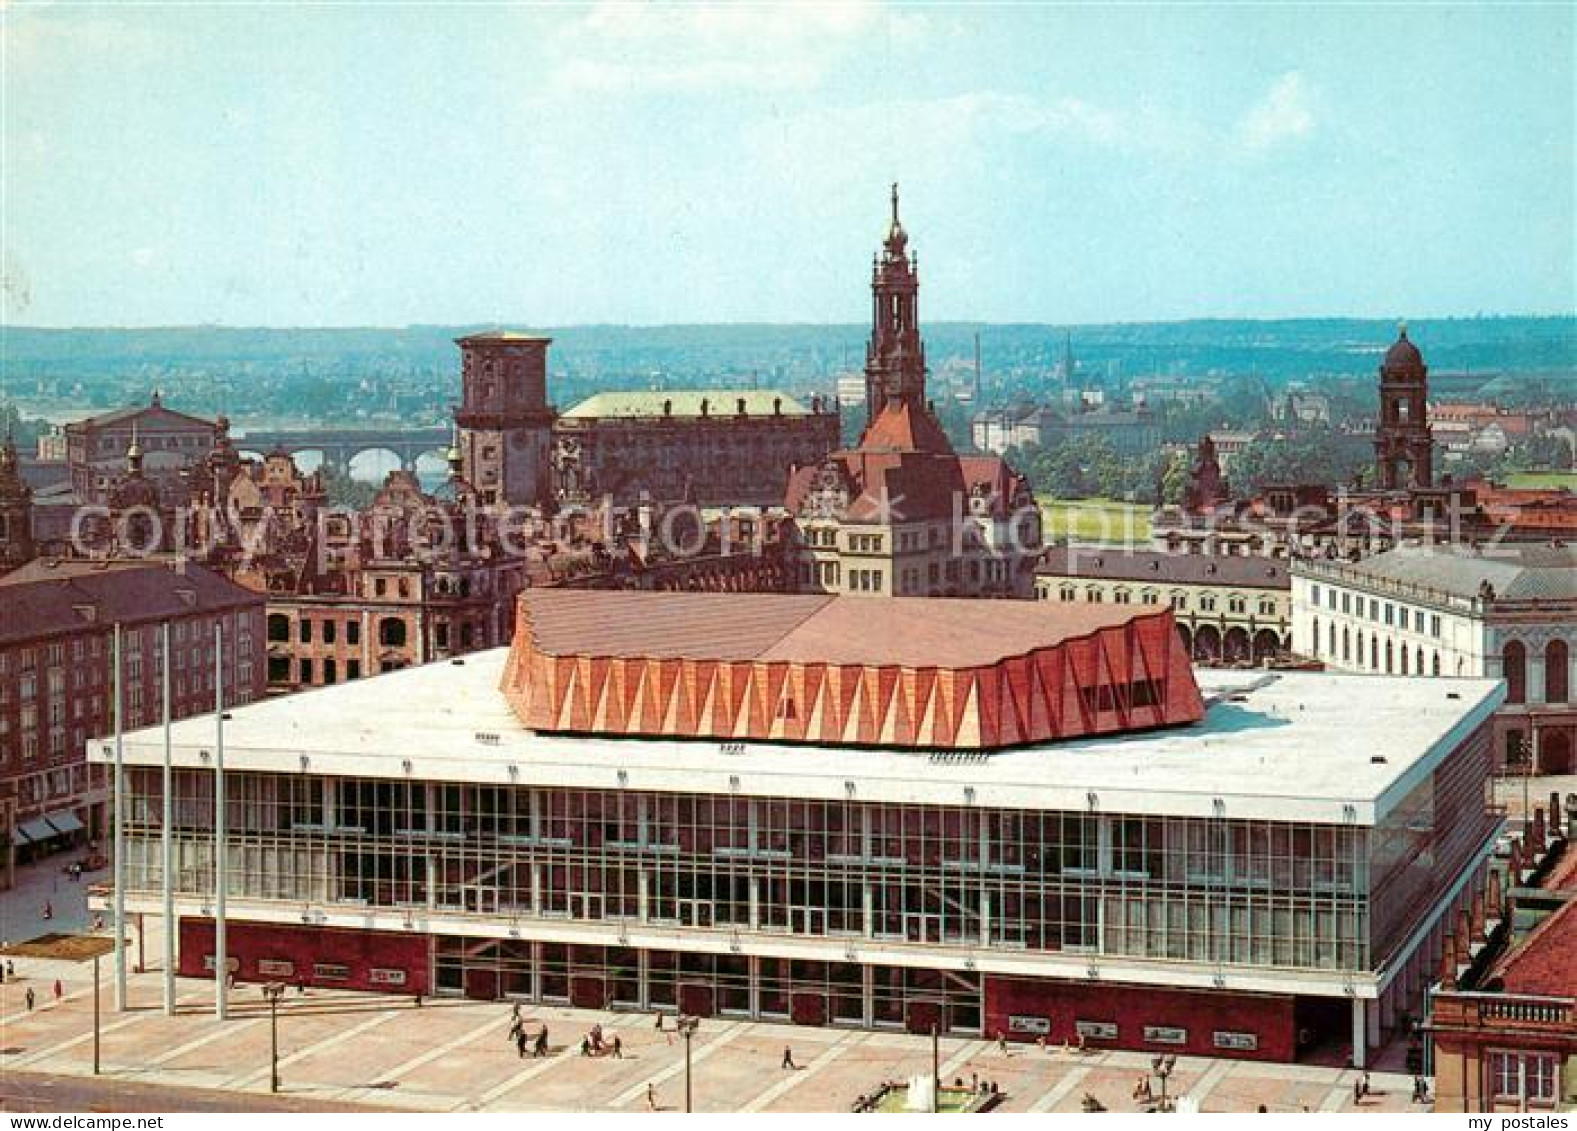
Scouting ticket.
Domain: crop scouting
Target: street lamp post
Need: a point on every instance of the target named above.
(96, 1014)
(936, 1068)
(687, 1027)
(273, 992)
(1163, 1066)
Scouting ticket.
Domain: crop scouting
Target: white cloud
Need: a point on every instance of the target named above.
(625, 48)
(1284, 114)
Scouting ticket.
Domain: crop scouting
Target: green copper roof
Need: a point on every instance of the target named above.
(686, 402)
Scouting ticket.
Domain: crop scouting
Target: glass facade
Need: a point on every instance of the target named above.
(1216, 891)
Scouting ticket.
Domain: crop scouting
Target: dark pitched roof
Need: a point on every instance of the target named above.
(50, 598)
(1517, 571)
(1158, 567)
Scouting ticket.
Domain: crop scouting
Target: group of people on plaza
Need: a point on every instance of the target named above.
(593, 1044)
(521, 1040)
(8, 974)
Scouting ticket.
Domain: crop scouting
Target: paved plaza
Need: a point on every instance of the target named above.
(366, 1050)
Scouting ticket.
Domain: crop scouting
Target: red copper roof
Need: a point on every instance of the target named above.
(906, 672)
(1546, 961)
(903, 427)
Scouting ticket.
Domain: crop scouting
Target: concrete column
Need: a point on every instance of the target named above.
(1371, 1023)
(1360, 1044)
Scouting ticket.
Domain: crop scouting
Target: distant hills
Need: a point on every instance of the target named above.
(1283, 348)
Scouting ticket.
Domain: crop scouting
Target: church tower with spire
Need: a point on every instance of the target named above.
(895, 358)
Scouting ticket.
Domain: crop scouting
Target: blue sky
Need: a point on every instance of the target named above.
(287, 164)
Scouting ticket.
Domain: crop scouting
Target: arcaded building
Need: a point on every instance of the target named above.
(987, 816)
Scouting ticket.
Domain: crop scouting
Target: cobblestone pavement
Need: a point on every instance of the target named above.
(363, 1049)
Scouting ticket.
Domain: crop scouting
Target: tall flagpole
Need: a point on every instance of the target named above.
(221, 848)
(167, 842)
(119, 836)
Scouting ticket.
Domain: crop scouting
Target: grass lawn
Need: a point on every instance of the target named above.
(1567, 479)
(948, 1101)
(1096, 520)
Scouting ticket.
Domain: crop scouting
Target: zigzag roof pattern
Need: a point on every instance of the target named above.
(924, 673)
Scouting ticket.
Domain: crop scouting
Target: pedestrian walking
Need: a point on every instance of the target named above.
(788, 1058)
(30, 999)
(514, 1012)
(517, 1029)
(520, 1043)
(10, 969)
(49, 910)
(60, 990)
(1365, 1083)
(1002, 1042)
(585, 1046)
(651, 1097)
(1357, 1091)
(542, 1044)
(617, 1048)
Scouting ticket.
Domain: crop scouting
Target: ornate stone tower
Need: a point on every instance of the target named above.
(16, 511)
(504, 419)
(1404, 448)
(895, 358)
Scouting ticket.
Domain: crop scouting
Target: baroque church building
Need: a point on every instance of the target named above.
(902, 513)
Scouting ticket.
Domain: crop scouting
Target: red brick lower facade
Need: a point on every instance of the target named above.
(1195, 1022)
(1266, 1027)
(315, 956)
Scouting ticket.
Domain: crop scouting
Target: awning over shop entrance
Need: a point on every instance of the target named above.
(34, 831)
(64, 822)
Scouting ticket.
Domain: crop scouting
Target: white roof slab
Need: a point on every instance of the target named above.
(1290, 746)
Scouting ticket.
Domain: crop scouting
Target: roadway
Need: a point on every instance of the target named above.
(34, 1091)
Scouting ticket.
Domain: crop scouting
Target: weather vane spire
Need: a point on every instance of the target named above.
(895, 202)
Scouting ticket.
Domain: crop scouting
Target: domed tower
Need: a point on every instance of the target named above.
(1404, 447)
(895, 358)
(16, 511)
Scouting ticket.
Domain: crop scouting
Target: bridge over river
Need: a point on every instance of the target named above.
(339, 446)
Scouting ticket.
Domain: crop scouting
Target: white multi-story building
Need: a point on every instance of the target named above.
(1506, 612)
(1258, 865)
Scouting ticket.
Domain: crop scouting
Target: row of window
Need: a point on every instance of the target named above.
(1236, 603)
(1557, 671)
(1376, 610)
(95, 646)
(392, 631)
(1368, 654)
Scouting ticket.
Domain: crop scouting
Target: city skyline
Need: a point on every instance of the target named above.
(329, 166)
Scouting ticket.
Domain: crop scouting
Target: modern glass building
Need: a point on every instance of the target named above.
(1274, 877)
